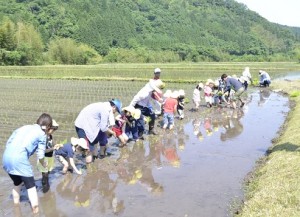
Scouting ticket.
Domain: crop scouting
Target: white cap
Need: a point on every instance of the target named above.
(157, 70)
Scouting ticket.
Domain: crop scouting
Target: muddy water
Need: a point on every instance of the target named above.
(195, 170)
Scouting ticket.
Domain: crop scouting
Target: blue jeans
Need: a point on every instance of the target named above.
(132, 129)
(168, 118)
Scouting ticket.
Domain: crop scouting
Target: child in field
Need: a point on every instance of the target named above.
(197, 96)
(49, 158)
(120, 120)
(129, 117)
(220, 97)
(132, 116)
(65, 153)
(180, 106)
(208, 92)
(170, 108)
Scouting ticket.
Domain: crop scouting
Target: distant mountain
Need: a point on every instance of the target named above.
(195, 30)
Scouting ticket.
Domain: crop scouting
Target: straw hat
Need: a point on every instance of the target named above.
(135, 113)
(209, 81)
(81, 142)
(159, 84)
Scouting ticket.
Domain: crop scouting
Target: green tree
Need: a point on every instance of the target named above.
(29, 42)
(7, 35)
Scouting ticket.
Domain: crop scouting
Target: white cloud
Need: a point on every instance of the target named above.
(285, 12)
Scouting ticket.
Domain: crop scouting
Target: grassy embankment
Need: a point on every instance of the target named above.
(274, 188)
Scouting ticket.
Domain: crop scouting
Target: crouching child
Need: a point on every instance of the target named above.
(180, 106)
(120, 121)
(65, 153)
(131, 127)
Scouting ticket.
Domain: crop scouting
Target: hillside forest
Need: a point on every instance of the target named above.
(36, 32)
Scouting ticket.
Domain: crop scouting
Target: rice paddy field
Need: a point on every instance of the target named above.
(63, 91)
(181, 72)
(23, 100)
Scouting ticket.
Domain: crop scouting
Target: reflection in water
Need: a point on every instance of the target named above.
(107, 188)
(207, 126)
(170, 150)
(228, 120)
(233, 126)
(264, 94)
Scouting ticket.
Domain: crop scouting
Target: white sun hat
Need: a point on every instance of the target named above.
(81, 142)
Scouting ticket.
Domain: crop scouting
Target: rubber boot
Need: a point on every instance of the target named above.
(102, 152)
(151, 128)
(45, 182)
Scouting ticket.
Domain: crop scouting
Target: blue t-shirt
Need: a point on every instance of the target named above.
(20, 146)
(66, 151)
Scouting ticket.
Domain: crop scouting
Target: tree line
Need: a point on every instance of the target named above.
(95, 31)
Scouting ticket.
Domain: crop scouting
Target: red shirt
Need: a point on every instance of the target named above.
(170, 105)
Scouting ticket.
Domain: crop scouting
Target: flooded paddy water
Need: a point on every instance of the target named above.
(197, 169)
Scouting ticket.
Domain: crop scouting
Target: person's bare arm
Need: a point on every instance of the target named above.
(74, 166)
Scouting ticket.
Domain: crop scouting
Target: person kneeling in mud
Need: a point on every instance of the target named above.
(132, 116)
(129, 117)
(65, 153)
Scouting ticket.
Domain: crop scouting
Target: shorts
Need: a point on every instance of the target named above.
(28, 181)
(238, 93)
(101, 138)
(117, 130)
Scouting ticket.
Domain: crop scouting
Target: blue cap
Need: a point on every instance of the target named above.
(118, 104)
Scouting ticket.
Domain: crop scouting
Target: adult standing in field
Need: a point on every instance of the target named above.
(94, 124)
(157, 95)
(23, 143)
(264, 78)
(142, 101)
(237, 86)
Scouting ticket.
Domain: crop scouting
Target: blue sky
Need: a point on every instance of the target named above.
(285, 12)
